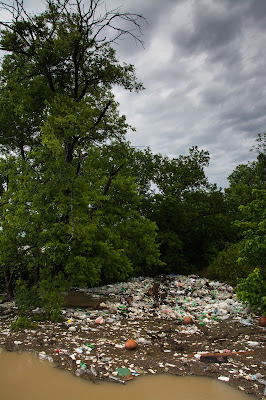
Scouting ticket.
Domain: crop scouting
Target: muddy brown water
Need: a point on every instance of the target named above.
(75, 298)
(24, 377)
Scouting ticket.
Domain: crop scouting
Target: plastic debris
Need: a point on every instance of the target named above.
(114, 378)
(262, 321)
(80, 371)
(100, 320)
(224, 378)
(245, 322)
(123, 371)
(131, 344)
(43, 356)
(93, 371)
(250, 343)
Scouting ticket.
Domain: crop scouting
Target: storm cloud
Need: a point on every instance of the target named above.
(203, 68)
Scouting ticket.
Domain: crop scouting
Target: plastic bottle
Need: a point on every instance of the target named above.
(245, 322)
(117, 379)
(93, 371)
(80, 371)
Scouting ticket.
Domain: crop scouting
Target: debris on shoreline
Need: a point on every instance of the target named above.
(183, 325)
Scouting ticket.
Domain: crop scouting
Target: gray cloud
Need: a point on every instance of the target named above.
(204, 73)
(212, 28)
(203, 67)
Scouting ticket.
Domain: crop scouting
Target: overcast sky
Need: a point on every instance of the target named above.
(203, 66)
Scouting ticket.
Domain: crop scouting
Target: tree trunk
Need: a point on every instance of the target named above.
(9, 284)
(69, 149)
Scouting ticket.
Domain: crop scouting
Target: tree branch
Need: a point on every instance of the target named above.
(112, 175)
(103, 113)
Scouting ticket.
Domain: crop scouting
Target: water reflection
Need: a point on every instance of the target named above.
(24, 377)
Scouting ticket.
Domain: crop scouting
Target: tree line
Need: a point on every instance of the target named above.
(79, 206)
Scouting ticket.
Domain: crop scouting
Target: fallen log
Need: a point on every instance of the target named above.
(223, 354)
(228, 354)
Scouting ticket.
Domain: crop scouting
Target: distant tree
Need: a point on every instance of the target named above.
(246, 200)
(253, 226)
(247, 177)
(192, 215)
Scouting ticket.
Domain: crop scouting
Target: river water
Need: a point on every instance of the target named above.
(24, 377)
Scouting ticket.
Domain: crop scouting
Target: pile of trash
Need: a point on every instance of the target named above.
(173, 298)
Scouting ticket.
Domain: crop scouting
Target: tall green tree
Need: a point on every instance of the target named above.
(69, 207)
(253, 252)
(253, 226)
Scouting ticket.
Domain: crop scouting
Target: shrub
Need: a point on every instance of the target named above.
(46, 294)
(26, 297)
(227, 267)
(22, 322)
(252, 291)
(51, 300)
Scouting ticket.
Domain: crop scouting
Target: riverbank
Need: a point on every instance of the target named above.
(91, 340)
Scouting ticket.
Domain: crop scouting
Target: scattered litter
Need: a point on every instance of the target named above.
(250, 343)
(123, 371)
(130, 344)
(80, 371)
(245, 322)
(100, 320)
(114, 378)
(214, 359)
(93, 371)
(262, 321)
(223, 378)
(43, 356)
(211, 357)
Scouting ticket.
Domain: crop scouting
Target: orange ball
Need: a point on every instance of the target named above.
(100, 320)
(262, 321)
(130, 344)
(187, 321)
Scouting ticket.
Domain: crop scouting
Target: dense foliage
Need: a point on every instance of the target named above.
(79, 205)
(245, 258)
